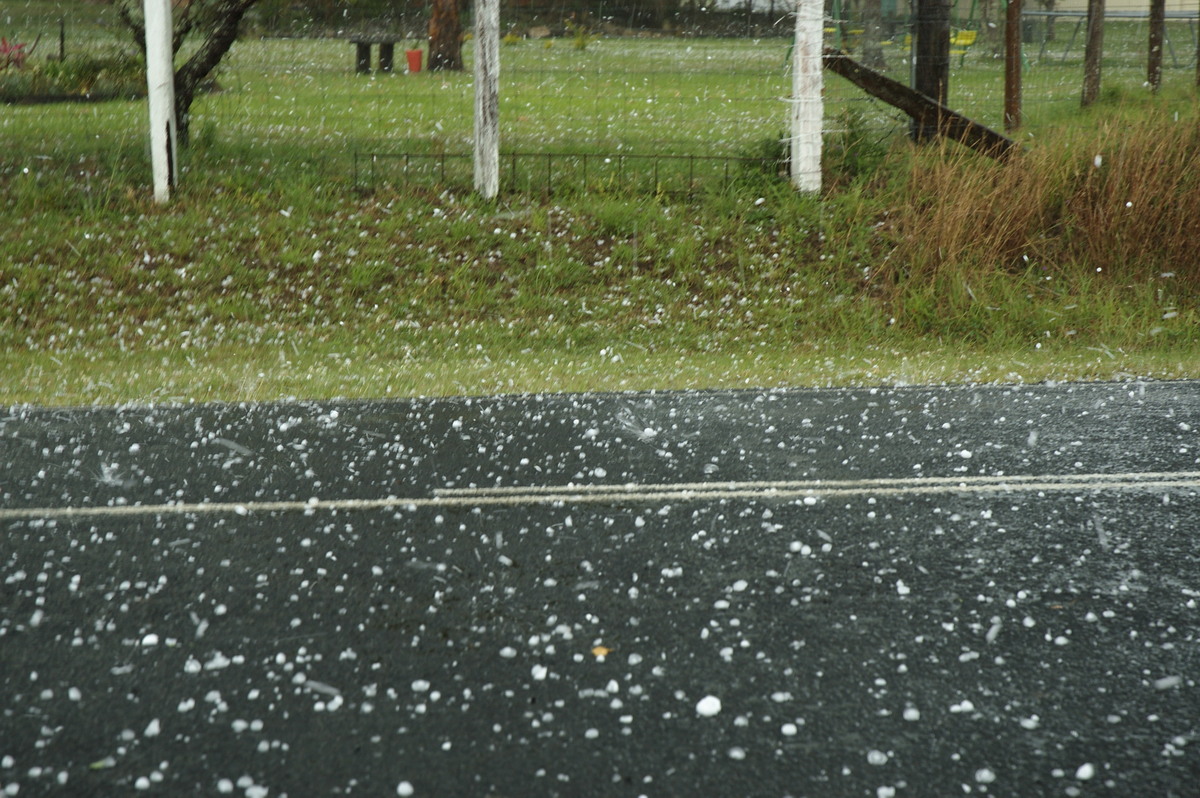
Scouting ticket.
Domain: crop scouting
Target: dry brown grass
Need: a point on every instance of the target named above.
(1121, 199)
(1108, 217)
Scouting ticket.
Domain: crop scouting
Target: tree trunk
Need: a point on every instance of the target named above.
(219, 37)
(445, 36)
(987, 30)
(216, 20)
(1049, 6)
(872, 50)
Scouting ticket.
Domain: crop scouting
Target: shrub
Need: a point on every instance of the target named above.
(12, 54)
(581, 36)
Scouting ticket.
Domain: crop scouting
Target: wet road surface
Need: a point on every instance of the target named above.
(890, 592)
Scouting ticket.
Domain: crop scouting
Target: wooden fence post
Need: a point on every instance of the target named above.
(487, 98)
(931, 75)
(1093, 52)
(1012, 66)
(1158, 10)
(160, 85)
(808, 109)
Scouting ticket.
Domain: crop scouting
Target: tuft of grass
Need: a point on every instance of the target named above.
(581, 35)
(855, 148)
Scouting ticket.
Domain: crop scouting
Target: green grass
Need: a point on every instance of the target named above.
(269, 275)
(388, 368)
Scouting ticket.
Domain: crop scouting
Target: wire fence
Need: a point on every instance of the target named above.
(672, 93)
(550, 173)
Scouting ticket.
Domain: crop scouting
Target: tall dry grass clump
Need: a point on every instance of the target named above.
(1123, 198)
(1139, 210)
(1108, 210)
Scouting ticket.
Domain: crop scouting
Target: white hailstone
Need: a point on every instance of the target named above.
(708, 706)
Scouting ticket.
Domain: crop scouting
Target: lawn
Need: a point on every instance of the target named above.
(273, 273)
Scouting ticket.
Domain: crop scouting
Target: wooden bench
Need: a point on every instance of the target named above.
(362, 52)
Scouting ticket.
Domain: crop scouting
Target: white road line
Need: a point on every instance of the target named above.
(964, 482)
(649, 494)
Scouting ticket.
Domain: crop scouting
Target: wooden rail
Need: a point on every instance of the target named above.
(925, 111)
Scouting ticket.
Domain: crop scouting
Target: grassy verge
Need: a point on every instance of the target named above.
(355, 370)
(269, 277)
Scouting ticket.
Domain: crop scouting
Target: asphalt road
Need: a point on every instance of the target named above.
(892, 592)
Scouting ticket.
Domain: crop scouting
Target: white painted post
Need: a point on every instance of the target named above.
(487, 98)
(807, 105)
(160, 83)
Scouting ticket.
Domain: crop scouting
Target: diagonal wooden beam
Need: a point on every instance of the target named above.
(925, 111)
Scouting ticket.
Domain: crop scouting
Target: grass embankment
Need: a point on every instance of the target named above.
(269, 277)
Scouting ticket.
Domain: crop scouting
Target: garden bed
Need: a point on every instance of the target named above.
(81, 78)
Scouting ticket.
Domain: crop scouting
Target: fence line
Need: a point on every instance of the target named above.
(555, 172)
(670, 107)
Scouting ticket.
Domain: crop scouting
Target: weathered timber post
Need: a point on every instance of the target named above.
(160, 86)
(931, 70)
(1093, 52)
(1012, 66)
(922, 109)
(1158, 9)
(487, 98)
(808, 109)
